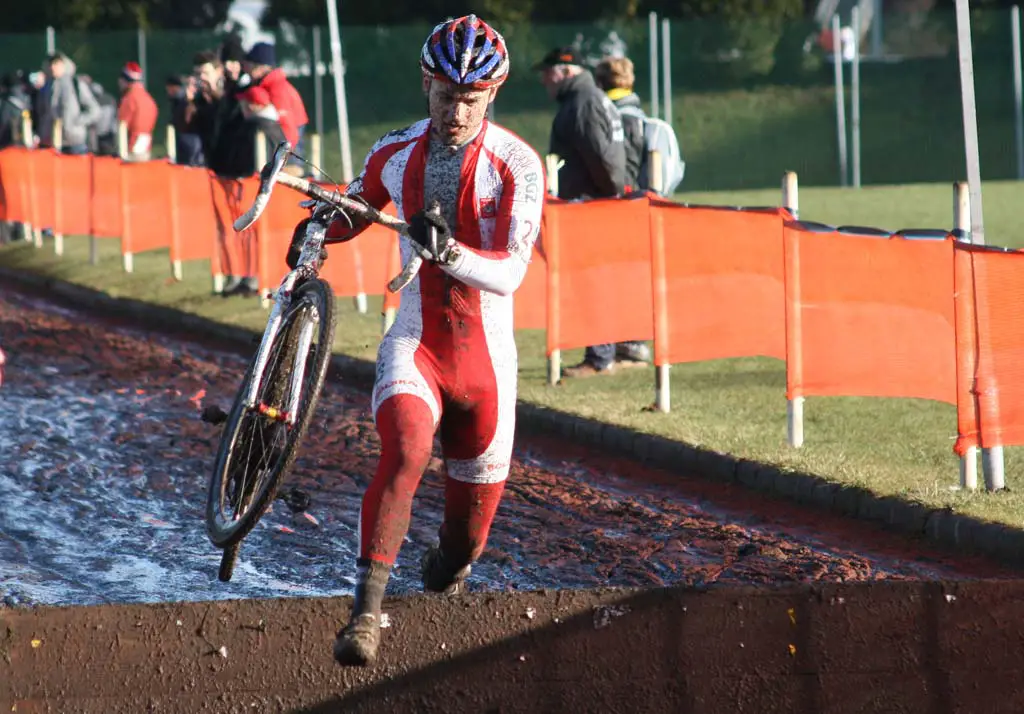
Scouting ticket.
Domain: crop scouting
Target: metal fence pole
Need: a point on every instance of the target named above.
(142, 54)
(1018, 110)
(51, 40)
(837, 57)
(666, 68)
(318, 83)
(652, 30)
(855, 97)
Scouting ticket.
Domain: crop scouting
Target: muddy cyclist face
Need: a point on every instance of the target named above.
(455, 113)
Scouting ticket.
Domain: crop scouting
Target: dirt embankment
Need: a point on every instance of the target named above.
(871, 647)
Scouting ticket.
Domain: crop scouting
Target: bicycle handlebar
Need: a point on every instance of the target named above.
(271, 174)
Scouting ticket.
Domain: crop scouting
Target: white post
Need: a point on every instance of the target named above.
(837, 58)
(794, 407)
(855, 96)
(652, 31)
(142, 54)
(339, 92)
(666, 69)
(122, 150)
(1018, 110)
(316, 152)
(962, 222)
(662, 377)
(58, 144)
(552, 163)
(318, 83)
(172, 144)
(51, 40)
(991, 457)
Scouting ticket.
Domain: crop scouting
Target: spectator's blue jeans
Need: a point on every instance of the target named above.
(77, 149)
(600, 356)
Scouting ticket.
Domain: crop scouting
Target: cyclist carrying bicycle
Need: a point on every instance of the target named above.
(449, 362)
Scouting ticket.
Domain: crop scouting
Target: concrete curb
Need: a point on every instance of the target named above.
(941, 526)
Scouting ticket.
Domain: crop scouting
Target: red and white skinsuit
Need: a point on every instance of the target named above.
(450, 358)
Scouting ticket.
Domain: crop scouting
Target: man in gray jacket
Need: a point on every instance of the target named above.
(73, 103)
(587, 133)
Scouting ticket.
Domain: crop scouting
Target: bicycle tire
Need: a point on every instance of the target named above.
(316, 293)
(227, 562)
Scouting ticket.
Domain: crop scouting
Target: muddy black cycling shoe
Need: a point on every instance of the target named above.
(440, 576)
(356, 644)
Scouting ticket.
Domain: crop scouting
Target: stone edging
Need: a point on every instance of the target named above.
(957, 532)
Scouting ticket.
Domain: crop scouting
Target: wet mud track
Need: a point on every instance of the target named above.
(106, 463)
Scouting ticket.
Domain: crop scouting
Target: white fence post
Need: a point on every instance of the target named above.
(962, 223)
(662, 380)
(794, 407)
(552, 162)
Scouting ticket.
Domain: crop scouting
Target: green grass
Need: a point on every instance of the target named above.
(890, 446)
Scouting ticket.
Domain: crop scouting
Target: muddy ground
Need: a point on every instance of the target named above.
(107, 463)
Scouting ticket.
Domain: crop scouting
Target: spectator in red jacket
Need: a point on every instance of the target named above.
(260, 65)
(138, 110)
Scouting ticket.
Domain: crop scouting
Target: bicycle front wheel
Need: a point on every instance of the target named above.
(257, 447)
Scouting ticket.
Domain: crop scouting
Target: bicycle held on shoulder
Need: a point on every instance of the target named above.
(282, 384)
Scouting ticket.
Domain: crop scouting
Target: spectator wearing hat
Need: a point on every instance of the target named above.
(587, 134)
(263, 115)
(138, 111)
(260, 64)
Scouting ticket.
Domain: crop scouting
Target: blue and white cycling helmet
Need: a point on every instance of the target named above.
(467, 52)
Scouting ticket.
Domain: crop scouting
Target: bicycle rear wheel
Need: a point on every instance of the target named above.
(256, 447)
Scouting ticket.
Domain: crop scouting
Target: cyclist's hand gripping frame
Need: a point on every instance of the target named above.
(271, 174)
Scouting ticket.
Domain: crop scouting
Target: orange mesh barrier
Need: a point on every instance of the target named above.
(75, 174)
(723, 274)
(194, 223)
(148, 207)
(996, 351)
(869, 316)
(599, 272)
(530, 300)
(106, 197)
(43, 188)
(966, 351)
(361, 265)
(14, 180)
(276, 226)
(234, 253)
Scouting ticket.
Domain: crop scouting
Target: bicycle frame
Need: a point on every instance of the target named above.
(308, 265)
(306, 268)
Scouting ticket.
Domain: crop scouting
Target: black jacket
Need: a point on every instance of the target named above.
(226, 135)
(587, 133)
(636, 144)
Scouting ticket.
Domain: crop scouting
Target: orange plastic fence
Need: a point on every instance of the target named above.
(869, 316)
(194, 223)
(851, 314)
(990, 357)
(75, 175)
(719, 278)
(599, 272)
